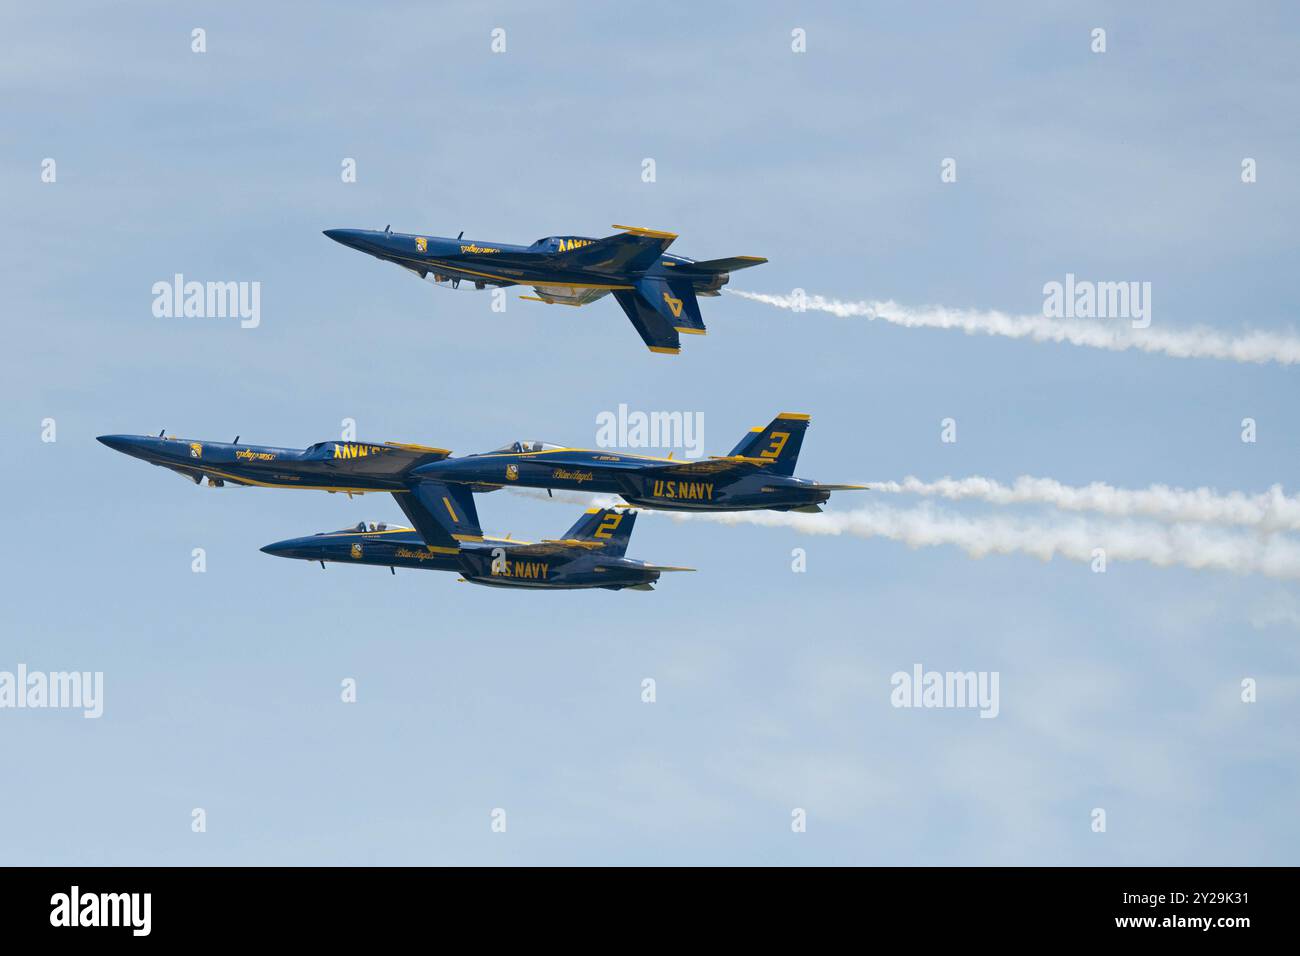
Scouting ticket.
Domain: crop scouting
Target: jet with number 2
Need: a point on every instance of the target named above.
(590, 555)
(657, 291)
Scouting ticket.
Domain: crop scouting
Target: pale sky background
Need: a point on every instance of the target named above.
(1118, 691)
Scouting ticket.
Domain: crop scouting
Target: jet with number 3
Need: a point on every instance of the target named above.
(758, 474)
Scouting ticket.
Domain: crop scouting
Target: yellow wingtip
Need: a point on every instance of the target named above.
(427, 449)
(643, 231)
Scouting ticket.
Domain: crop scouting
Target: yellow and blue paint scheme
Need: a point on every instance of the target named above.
(657, 291)
(351, 467)
(758, 474)
(591, 554)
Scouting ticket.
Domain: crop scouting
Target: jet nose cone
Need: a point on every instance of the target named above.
(307, 549)
(126, 444)
(352, 238)
(280, 549)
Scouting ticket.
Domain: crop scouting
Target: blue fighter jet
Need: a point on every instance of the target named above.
(351, 467)
(758, 474)
(437, 491)
(590, 555)
(657, 290)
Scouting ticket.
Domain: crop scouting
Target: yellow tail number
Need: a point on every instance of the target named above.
(773, 451)
(609, 525)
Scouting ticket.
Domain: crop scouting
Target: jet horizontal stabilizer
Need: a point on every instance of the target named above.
(554, 546)
(709, 466)
(730, 264)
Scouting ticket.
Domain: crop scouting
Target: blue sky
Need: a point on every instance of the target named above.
(1118, 691)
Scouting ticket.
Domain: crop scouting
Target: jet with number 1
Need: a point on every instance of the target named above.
(657, 290)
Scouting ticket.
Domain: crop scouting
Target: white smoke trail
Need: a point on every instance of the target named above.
(1187, 545)
(1268, 511)
(1117, 336)
(1076, 539)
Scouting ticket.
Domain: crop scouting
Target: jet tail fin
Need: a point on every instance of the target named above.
(779, 442)
(661, 309)
(444, 514)
(655, 330)
(608, 527)
(674, 299)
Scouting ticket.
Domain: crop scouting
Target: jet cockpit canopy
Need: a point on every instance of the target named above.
(520, 447)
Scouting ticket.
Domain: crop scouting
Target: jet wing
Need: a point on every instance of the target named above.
(632, 250)
(729, 264)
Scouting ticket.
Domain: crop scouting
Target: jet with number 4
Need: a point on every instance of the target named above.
(757, 475)
(590, 555)
(657, 291)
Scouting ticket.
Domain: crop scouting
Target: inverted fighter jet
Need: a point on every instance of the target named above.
(348, 466)
(589, 555)
(657, 290)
